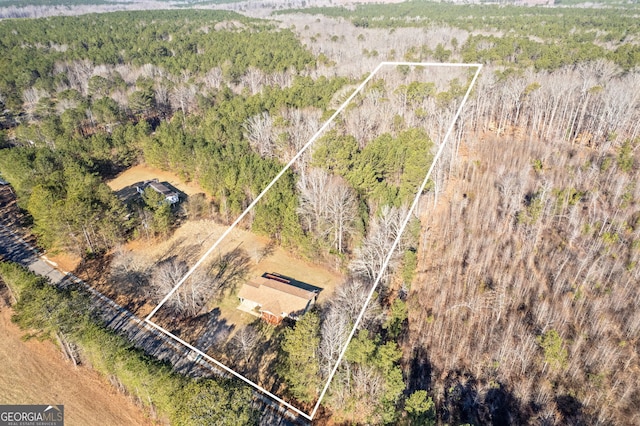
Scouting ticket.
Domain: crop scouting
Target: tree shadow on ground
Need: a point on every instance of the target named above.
(263, 364)
(208, 331)
(171, 250)
(188, 252)
(420, 371)
(215, 332)
(134, 284)
(571, 410)
(267, 250)
(126, 287)
(230, 269)
(468, 400)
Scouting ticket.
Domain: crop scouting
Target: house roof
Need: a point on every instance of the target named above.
(276, 297)
(161, 188)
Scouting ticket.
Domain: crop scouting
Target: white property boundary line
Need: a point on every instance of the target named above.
(384, 265)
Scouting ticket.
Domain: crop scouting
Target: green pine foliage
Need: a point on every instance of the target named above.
(387, 171)
(555, 354)
(46, 311)
(546, 38)
(300, 368)
(215, 402)
(175, 40)
(383, 358)
(421, 409)
(93, 132)
(71, 207)
(397, 318)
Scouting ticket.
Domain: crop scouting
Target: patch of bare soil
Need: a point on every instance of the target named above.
(65, 261)
(193, 238)
(35, 372)
(142, 172)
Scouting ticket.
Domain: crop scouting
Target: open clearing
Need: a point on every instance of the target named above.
(191, 240)
(142, 172)
(35, 372)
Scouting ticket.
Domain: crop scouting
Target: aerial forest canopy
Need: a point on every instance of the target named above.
(177, 41)
(223, 101)
(525, 304)
(220, 99)
(82, 95)
(516, 302)
(545, 38)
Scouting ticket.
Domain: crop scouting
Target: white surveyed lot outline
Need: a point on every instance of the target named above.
(385, 263)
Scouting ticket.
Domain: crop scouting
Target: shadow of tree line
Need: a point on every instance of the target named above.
(462, 398)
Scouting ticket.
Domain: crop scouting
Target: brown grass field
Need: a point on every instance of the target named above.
(35, 372)
(142, 172)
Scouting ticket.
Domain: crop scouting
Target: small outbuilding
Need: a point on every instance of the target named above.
(275, 298)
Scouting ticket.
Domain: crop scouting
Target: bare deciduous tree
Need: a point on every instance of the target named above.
(328, 206)
(244, 342)
(300, 127)
(334, 332)
(370, 256)
(31, 97)
(314, 199)
(341, 210)
(130, 274)
(253, 79)
(183, 97)
(259, 132)
(214, 78)
(192, 295)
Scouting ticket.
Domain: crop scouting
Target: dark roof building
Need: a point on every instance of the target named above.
(170, 196)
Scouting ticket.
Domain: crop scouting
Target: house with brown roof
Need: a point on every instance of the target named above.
(274, 298)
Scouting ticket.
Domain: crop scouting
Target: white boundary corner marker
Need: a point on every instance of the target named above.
(386, 261)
